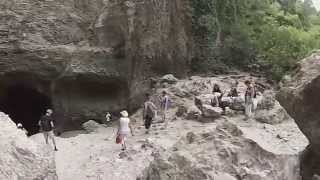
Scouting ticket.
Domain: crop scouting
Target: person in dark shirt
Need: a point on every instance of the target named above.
(217, 93)
(46, 126)
(233, 91)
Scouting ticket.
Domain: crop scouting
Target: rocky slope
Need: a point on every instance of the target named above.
(222, 148)
(300, 96)
(103, 51)
(22, 158)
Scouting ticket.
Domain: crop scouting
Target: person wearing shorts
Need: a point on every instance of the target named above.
(46, 126)
(124, 129)
(149, 112)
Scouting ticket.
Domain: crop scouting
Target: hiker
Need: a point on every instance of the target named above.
(217, 93)
(20, 127)
(124, 129)
(164, 105)
(46, 126)
(149, 112)
(249, 96)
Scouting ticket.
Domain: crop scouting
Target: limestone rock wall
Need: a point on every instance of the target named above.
(98, 53)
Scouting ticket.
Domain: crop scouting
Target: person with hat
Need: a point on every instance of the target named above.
(124, 129)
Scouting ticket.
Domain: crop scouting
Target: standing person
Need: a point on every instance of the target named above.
(149, 112)
(249, 95)
(217, 93)
(164, 105)
(124, 128)
(46, 126)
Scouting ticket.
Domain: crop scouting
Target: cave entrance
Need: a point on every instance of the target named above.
(25, 105)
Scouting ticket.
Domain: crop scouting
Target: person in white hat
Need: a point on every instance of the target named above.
(124, 129)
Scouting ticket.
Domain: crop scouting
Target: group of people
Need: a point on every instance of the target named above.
(150, 111)
(249, 97)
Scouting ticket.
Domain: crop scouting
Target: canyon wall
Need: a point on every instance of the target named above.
(90, 56)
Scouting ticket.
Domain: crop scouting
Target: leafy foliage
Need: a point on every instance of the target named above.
(271, 33)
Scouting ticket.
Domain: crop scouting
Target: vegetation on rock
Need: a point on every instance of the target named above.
(269, 34)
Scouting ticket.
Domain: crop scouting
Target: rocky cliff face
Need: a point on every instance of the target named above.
(22, 158)
(89, 57)
(300, 96)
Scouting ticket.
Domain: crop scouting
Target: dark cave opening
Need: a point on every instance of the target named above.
(25, 105)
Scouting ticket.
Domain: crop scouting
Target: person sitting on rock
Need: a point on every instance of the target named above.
(149, 112)
(217, 93)
(233, 91)
(46, 126)
(124, 128)
(249, 96)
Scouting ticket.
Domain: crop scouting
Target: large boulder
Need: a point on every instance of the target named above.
(275, 115)
(193, 113)
(21, 157)
(300, 96)
(169, 78)
(209, 111)
(223, 153)
(203, 99)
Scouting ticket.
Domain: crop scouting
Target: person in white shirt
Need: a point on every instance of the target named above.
(124, 129)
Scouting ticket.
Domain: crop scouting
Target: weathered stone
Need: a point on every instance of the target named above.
(237, 104)
(275, 115)
(181, 111)
(91, 57)
(21, 157)
(193, 113)
(231, 155)
(169, 78)
(203, 99)
(267, 101)
(300, 96)
(209, 111)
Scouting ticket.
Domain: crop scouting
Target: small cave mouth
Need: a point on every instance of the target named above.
(25, 105)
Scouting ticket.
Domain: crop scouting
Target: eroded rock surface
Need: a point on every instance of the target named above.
(222, 153)
(225, 148)
(90, 57)
(22, 158)
(301, 98)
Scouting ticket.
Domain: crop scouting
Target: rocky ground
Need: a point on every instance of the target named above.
(223, 147)
(22, 158)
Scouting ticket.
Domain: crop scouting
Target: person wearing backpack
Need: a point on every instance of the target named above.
(149, 112)
(46, 126)
(164, 105)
